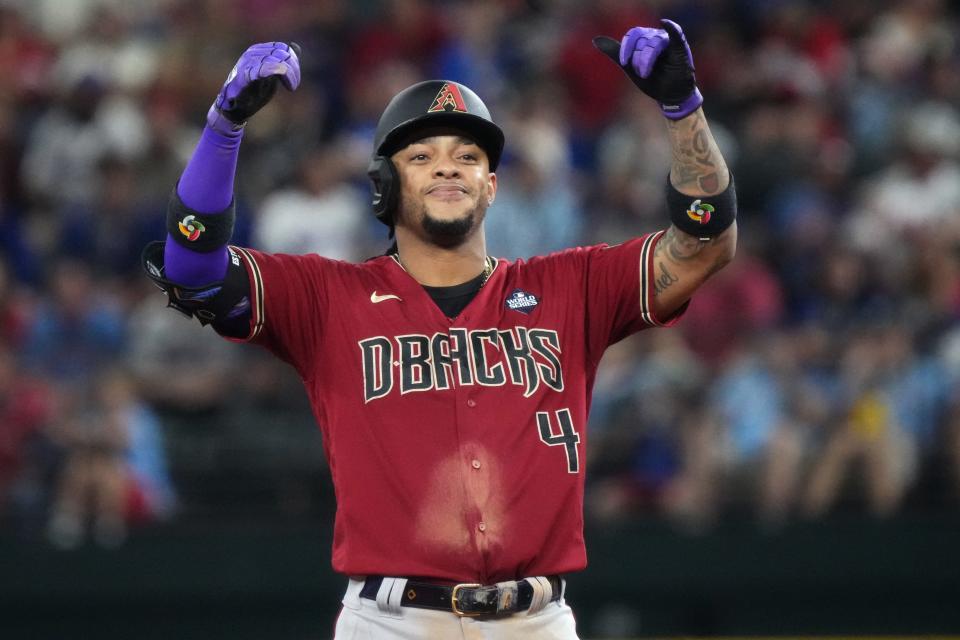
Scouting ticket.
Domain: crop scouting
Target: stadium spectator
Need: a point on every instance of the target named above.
(320, 213)
(78, 329)
(536, 211)
(767, 408)
(67, 143)
(92, 485)
(919, 192)
(891, 401)
(177, 369)
(644, 454)
(736, 307)
(28, 409)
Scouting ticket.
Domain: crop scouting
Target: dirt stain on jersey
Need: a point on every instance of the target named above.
(465, 491)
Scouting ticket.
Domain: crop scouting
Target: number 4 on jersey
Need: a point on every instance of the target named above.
(568, 437)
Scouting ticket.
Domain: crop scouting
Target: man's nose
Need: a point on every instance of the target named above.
(446, 168)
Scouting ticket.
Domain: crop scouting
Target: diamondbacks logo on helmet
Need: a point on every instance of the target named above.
(448, 96)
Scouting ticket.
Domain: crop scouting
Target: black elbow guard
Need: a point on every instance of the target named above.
(703, 217)
(217, 302)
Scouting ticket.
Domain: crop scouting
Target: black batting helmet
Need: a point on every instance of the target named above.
(434, 103)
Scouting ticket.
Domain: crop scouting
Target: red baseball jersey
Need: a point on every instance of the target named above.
(456, 446)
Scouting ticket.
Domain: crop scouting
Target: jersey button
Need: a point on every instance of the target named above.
(482, 526)
(475, 464)
(471, 403)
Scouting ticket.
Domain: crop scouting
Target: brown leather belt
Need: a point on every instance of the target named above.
(466, 599)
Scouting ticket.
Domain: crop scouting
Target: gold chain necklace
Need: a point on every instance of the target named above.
(488, 265)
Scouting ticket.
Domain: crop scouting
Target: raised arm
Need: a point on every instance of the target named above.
(194, 266)
(700, 192)
(683, 261)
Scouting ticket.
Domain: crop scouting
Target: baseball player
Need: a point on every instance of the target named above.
(451, 387)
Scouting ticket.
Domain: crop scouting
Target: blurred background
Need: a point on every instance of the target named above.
(785, 461)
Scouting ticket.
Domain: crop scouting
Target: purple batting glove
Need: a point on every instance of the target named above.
(659, 62)
(252, 83)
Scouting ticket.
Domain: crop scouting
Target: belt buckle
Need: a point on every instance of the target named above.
(454, 599)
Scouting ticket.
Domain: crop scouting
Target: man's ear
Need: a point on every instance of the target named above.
(491, 188)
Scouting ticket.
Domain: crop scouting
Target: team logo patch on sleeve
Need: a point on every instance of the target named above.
(520, 300)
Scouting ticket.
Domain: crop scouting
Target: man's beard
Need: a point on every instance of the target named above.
(451, 233)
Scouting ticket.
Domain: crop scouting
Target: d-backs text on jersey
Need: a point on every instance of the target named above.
(461, 357)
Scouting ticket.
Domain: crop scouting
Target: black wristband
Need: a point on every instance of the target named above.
(201, 232)
(703, 217)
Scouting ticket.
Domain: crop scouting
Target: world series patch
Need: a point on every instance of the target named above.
(520, 300)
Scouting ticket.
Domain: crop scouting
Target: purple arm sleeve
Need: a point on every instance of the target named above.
(206, 186)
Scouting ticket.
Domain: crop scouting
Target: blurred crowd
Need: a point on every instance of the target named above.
(819, 372)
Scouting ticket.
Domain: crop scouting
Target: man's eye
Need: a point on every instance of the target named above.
(469, 157)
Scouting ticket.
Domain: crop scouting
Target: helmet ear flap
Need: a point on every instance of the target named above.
(385, 187)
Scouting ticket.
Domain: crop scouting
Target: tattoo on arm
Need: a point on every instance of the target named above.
(680, 256)
(698, 167)
(679, 246)
(674, 247)
(664, 280)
